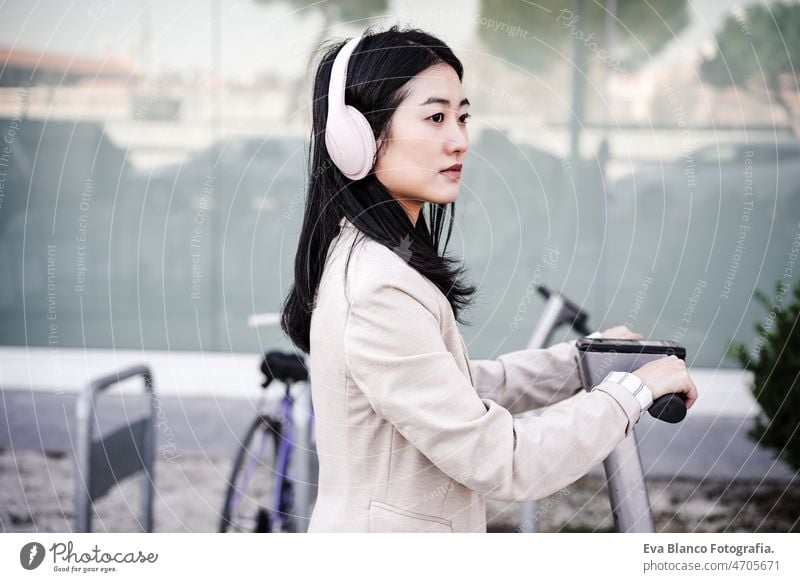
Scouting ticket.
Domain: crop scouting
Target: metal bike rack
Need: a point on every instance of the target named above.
(104, 463)
(630, 504)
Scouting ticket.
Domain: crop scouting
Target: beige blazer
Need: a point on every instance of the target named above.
(412, 435)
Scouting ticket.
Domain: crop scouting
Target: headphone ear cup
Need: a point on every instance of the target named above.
(350, 143)
(365, 137)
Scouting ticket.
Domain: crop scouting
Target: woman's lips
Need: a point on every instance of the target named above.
(452, 174)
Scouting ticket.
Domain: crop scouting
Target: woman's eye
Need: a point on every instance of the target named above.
(437, 117)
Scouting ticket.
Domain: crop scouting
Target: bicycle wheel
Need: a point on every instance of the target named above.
(249, 494)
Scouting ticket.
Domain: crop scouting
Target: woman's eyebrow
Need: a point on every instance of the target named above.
(444, 101)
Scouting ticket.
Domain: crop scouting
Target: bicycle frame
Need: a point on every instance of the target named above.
(306, 466)
(294, 493)
(278, 422)
(247, 474)
(297, 441)
(281, 495)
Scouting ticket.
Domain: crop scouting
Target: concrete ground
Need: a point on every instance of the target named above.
(703, 475)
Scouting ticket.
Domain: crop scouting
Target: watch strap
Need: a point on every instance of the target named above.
(635, 385)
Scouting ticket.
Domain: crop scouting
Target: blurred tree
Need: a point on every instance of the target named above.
(624, 34)
(756, 47)
(641, 29)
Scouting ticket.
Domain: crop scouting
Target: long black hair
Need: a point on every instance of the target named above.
(378, 72)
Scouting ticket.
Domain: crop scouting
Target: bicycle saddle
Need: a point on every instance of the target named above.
(286, 367)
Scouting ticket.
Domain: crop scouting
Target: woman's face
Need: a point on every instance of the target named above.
(428, 134)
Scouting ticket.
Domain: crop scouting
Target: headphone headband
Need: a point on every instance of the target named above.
(339, 73)
(348, 135)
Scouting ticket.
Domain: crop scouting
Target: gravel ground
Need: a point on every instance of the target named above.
(36, 495)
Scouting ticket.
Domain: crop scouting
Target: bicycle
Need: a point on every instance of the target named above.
(264, 493)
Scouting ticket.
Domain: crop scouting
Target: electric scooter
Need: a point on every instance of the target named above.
(630, 504)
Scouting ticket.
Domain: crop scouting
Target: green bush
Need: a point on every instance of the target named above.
(775, 363)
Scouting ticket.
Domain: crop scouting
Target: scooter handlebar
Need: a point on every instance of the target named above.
(602, 355)
(669, 408)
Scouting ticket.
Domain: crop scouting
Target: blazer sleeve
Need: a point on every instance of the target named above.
(530, 378)
(395, 355)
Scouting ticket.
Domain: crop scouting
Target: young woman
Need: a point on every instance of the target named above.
(412, 435)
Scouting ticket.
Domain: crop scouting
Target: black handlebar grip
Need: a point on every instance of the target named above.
(669, 408)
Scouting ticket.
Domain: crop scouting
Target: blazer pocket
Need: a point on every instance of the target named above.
(388, 518)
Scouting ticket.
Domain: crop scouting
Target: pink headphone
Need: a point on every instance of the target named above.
(348, 135)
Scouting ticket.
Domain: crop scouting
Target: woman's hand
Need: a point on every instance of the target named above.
(620, 332)
(668, 375)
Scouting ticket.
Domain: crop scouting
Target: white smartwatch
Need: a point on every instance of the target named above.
(636, 387)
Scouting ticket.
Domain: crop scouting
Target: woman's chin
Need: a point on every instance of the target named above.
(446, 195)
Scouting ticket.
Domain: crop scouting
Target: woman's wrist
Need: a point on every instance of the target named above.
(635, 386)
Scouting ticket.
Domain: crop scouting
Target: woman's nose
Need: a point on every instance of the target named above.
(457, 142)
